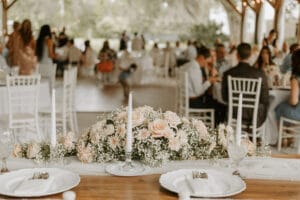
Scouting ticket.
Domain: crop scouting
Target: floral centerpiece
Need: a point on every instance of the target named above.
(158, 137)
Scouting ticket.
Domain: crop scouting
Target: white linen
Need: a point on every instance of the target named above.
(271, 125)
(33, 186)
(250, 167)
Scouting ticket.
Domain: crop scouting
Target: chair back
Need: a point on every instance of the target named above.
(23, 93)
(69, 86)
(48, 71)
(206, 115)
(250, 88)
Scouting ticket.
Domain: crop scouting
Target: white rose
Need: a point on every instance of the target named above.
(201, 128)
(143, 134)
(113, 142)
(109, 129)
(172, 118)
(95, 137)
(17, 151)
(121, 130)
(33, 150)
(174, 143)
(85, 154)
(160, 128)
(137, 118)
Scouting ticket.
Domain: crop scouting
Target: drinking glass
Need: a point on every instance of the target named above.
(6, 147)
(237, 152)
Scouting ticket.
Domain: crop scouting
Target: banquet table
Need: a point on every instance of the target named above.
(96, 186)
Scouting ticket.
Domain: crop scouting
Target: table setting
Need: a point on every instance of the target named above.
(183, 155)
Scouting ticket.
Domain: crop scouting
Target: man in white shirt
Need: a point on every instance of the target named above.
(222, 63)
(200, 82)
(73, 53)
(191, 51)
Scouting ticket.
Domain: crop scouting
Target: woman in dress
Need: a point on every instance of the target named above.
(44, 46)
(265, 63)
(88, 60)
(26, 49)
(291, 108)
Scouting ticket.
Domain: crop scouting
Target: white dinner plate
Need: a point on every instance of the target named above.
(61, 180)
(175, 181)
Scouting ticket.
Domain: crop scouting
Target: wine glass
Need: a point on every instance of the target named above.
(6, 147)
(237, 152)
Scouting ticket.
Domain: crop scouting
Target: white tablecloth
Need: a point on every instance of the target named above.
(271, 126)
(44, 97)
(251, 167)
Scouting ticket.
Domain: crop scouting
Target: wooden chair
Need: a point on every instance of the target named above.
(206, 115)
(250, 88)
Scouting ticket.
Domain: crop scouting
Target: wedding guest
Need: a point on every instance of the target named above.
(245, 70)
(73, 55)
(105, 67)
(169, 59)
(291, 108)
(155, 54)
(123, 41)
(200, 81)
(124, 77)
(10, 45)
(61, 53)
(44, 46)
(287, 61)
(222, 63)
(25, 49)
(110, 53)
(191, 51)
(271, 42)
(137, 43)
(88, 60)
(265, 63)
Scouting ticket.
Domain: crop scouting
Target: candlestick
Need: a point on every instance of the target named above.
(129, 125)
(53, 120)
(239, 120)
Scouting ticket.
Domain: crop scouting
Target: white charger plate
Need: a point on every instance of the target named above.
(175, 181)
(63, 180)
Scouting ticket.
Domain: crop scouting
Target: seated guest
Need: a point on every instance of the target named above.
(244, 70)
(200, 82)
(222, 63)
(106, 50)
(287, 61)
(265, 63)
(105, 67)
(291, 108)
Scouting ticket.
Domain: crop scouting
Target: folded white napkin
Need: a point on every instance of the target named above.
(211, 185)
(33, 186)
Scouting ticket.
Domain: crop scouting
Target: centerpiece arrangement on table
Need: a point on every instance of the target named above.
(157, 137)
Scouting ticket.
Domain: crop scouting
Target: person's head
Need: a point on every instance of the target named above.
(135, 34)
(220, 51)
(133, 67)
(177, 44)
(293, 47)
(203, 56)
(26, 32)
(45, 32)
(296, 63)
(70, 42)
(16, 25)
(264, 57)
(272, 34)
(243, 51)
(105, 45)
(155, 45)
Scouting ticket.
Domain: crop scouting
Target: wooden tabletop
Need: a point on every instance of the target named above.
(148, 187)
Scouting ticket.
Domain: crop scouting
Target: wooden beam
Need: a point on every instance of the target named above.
(272, 3)
(250, 6)
(11, 4)
(233, 6)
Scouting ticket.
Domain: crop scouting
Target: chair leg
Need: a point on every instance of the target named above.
(280, 135)
(75, 122)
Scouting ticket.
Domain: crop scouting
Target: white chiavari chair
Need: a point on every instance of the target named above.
(48, 71)
(288, 128)
(23, 94)
(250, 88)
(206, 115)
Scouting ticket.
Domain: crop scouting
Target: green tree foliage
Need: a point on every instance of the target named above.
(208, 34)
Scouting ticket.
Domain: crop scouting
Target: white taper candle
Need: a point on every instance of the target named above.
(129, 125)
(53, 120)
(239, 120)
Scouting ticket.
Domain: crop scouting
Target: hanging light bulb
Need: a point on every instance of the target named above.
(165, 4)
